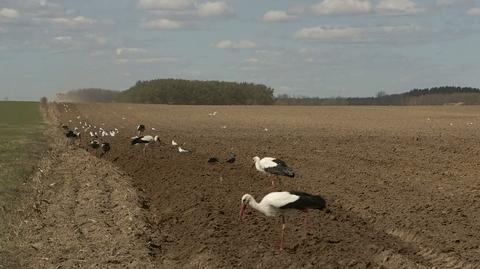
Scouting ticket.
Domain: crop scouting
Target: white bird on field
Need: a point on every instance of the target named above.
(174, 143)
(112, 133)
(281, 203)
(145, 140)
(273, 166)
(182, 150)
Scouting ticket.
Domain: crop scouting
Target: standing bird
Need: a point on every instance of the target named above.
(94, 144)
(72, 136)
(145, 140)
(105, 148)
(273, 166)
(231, 159)
(281, 203)
(140, 129)
(174, 143)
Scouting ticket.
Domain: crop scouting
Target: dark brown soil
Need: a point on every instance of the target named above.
(401, 183)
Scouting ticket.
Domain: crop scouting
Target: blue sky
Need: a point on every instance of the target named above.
(306, 47)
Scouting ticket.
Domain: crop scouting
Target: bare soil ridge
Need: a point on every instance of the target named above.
(81, 213)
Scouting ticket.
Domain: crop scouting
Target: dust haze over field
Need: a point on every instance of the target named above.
(401, 184)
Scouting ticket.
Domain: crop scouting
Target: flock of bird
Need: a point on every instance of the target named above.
(274, 204)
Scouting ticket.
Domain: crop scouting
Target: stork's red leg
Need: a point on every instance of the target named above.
(283, 233)
(307, 221)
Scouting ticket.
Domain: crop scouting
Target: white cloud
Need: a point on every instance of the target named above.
(360, 34)
(77, 22)
(453, 2)
(278, 16)
(63, 39)
(165, 4)
(129, 51)
(328, 7)
(394, 7)
(252, 60)
(213, 9)
(328, 33)
(229, 44)
(149, 60)
(163, 24)
(8, 13)
(474, 11)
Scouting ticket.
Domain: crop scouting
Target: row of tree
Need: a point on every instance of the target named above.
(196, 92)
(430, 96)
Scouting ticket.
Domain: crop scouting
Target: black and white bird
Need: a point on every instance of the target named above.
(94, 144)
(145, 140)
(279, 204)
(273, 166)
(72, 136)
(140, 129)
(105, 148)
(231, 159)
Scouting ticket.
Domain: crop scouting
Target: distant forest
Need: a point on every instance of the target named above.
(195, 92)
(447, 95)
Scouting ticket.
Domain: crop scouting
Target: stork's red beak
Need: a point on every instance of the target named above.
(242, 211)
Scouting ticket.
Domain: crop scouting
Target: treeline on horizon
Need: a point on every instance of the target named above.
(179, 92)
(430, 96)
(195, 92)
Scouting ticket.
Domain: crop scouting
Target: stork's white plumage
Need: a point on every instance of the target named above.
(273, 166)
(182, 150)
(145, 140)
(174, 143)
(281, 203)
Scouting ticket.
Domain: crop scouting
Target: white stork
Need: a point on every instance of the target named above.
(145, 140)
(281, 203)
(174, 143)
(273, 166)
